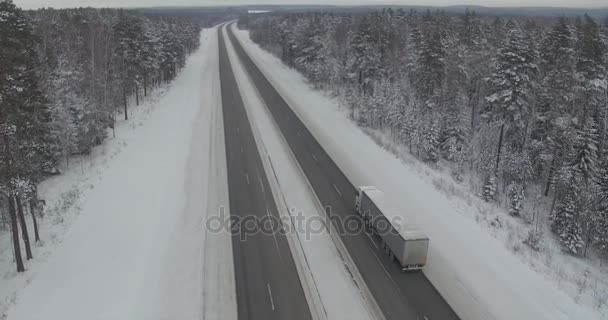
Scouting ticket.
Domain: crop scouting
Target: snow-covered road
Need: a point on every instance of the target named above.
(330, 279)
(136, 250)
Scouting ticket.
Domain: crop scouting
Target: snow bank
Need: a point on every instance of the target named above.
(135, 251)
(474, 272)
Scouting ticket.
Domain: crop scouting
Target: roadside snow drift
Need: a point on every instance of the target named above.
(136, 250)
(473, 271)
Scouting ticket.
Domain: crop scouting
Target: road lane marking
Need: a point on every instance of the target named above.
(385, 271)
(313, 155)
(270, 295)
(372, 240)
(261, 184)
(247, 177)
(276, 243)
(237, 130)
(337, 190)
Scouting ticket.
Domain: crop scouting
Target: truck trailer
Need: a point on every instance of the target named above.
(401, 240)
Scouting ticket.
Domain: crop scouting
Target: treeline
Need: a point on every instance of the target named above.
(64, 76)
(517, 107)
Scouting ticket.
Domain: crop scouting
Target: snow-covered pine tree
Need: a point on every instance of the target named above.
(429, 144)
(516, 197)
(23, 117)
(591, 72)
(602, 212)
(585, 158)
(364, 58)
(489, 189)
(429, 69)
(129, 44)
(455, 145)
(566, 223)
(508, 104)
(535, 240)
(470, 32)
(554, 118)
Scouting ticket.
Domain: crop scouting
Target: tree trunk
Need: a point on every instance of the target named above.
(502, 130)
(603, 124)
(3, 218)
(15, 232)
(124, 96)
(588, 239)
(33, 208)
(551, 173)
(136, 96)
(473, 104)
(24, 234)
(553, 204)
(145, 85)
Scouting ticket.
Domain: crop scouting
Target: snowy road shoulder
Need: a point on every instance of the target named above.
(135, 250)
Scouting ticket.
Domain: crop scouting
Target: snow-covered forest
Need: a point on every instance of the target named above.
(65, 78)
(515, 108)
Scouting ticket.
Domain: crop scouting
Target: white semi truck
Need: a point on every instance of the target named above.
(400, 239)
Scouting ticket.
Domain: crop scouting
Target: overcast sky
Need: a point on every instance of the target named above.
(33, 4)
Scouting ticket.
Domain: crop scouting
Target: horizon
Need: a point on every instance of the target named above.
(497, 4)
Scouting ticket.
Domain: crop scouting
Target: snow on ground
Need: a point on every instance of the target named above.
(479, 276)
(65, 194)
(340, 297)
(132, 214)
(219, 295)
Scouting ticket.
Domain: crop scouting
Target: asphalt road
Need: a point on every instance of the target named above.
(267, 282)
(399, 295)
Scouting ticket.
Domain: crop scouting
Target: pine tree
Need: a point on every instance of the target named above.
(602, 213)
(509, 101)
(591, 50)
(364, 58)
(129, 47)
(535, 240)
(430, 142)
(456, 139)
(566, 224)
(470, 29)
(430, 69)
(23, 116)
(489, 189)
(585, 159)
(554, 121)
(591, 69)
(516, 198)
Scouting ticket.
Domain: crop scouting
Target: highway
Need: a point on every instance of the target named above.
(267, 282)
(399, 295)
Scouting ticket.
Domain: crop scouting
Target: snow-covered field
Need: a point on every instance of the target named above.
(478, 269)
(123, 228)
(331, 281)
